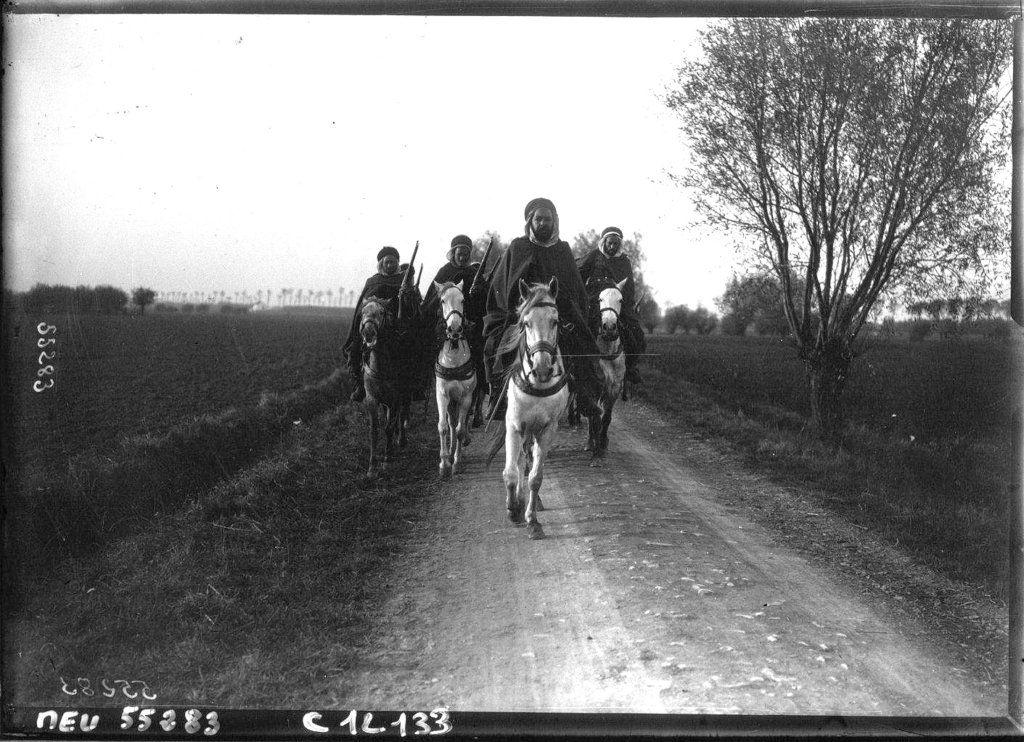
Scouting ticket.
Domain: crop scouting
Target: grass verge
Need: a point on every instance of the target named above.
(97, 499)
(252, 594)
(945, 501)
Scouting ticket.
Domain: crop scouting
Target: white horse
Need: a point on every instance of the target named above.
(537, 397)
(455, 380)
(610, 366)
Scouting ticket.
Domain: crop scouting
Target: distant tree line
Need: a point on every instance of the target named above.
(700, 320)
(959, 309)
(44, 299)
(754, 303)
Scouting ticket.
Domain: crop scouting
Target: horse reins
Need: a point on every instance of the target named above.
(521, 379)
(454, 337)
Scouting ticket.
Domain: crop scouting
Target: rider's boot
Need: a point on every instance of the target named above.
(583, 383)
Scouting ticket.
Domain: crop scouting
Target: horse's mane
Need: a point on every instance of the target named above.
(445, 286)
(388, 314)
(594, 288)
(538, 292)
(375, 300)
(596, 285)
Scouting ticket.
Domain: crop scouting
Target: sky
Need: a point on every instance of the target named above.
(229, 153)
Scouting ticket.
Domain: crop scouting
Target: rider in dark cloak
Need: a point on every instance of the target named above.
(386, 283)
(536, 257)
(608, 265)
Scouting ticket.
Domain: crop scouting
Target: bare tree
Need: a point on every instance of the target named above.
(854, 156)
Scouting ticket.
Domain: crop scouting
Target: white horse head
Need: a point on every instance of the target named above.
(538, 323)
(452, 298)
(610, 306)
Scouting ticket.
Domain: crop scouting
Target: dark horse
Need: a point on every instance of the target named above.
(389, 373)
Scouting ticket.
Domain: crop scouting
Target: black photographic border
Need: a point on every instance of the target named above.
(21, 722)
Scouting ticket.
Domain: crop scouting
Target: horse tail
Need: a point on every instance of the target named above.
(496, 444)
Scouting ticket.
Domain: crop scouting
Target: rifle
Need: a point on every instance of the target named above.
(407, 278)
(476, 285)
(419, 276)
(406, 283)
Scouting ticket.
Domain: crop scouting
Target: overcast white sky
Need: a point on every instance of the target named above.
(222, 153)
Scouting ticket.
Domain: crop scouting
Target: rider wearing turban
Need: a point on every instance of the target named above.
(536, 257)
(457, 270)
(386, 283)
(609, 264)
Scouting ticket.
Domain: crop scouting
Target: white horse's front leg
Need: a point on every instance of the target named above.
(444, 466)
(541, 445)
(510, 475)
(461, 437)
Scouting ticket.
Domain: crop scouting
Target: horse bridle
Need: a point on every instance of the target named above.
(613, 310)
(542, 345)
(379, 327)
(456, 336)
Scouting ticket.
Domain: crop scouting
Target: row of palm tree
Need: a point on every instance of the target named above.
(285, 297)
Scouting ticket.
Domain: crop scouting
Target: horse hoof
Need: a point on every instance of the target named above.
(535, 531)
(589, 446)
(445, 474)
(516, 517)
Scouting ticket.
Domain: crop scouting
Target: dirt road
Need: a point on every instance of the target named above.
(653, 592)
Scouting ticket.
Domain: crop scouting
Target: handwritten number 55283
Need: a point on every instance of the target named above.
(46, 369)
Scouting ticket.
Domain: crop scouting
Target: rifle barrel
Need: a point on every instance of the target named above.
(408, 271)
(483, 263)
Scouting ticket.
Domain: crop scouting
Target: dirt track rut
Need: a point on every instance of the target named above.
(648, 594)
